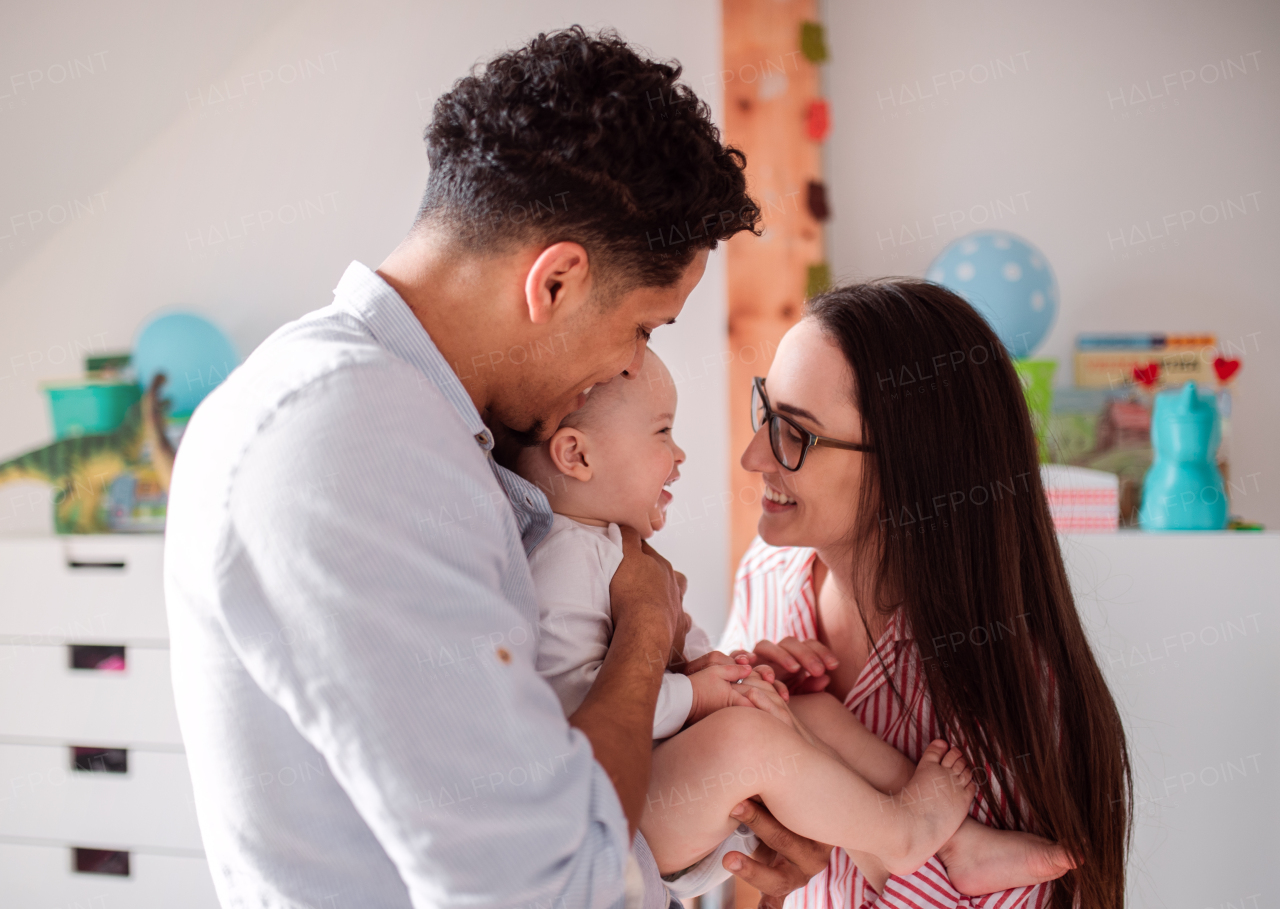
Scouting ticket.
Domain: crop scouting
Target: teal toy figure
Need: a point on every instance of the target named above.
(1183, 489)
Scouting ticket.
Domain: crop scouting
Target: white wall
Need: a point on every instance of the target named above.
(1078, 141)
(330, 102)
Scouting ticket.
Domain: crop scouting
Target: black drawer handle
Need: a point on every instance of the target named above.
(87, 563)
(99, 657)
(101, 861)
(99, 760)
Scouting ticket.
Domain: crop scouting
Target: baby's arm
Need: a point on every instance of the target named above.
(675, 700)
(574, 630)
(573, 642)
(677, 697)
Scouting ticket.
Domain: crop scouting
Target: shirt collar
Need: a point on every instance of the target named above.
(363, 292)
(393, 325)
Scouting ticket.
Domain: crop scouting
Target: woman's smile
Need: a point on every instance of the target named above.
(774, 501)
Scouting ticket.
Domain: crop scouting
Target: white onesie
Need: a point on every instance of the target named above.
(572, 568)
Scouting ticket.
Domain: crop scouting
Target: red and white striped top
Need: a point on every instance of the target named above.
(773, 598)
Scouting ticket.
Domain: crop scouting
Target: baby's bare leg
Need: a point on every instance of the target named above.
(876, 761)
(979, 859)
(879, 763)
(738, 752)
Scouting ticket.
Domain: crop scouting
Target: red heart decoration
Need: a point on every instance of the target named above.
(1225, 368)
(1146, 375)
(818, 120)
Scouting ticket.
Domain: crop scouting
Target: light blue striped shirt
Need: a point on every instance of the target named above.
(354, 631)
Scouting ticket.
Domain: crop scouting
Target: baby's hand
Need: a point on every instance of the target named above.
(714, 689)
(726, 684)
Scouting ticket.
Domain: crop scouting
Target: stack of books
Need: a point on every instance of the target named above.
(1109, 361)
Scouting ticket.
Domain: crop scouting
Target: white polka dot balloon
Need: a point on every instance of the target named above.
(1006, 279)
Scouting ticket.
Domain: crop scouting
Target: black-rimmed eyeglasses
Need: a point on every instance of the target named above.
(789, 440)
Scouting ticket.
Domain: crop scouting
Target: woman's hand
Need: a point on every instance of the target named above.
(783, 862)
(801, 665)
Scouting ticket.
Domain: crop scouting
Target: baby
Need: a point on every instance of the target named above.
(609, 463)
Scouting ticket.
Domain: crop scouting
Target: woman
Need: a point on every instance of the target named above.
(907, 564)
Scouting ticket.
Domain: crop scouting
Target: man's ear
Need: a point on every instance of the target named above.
(568, 451)
(560, 277)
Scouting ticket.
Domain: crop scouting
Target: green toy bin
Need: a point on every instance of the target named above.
(84, 407)
(1037, 384)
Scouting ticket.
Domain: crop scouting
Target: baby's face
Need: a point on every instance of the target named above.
(632, 453)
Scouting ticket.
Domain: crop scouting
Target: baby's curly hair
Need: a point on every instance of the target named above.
(577, 137)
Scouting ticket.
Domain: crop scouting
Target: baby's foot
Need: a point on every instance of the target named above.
(934, 803)
(982, 860)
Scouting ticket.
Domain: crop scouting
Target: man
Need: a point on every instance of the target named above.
(352, 618)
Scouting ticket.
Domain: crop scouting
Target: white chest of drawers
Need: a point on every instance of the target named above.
(128, 804)
(1184, 626)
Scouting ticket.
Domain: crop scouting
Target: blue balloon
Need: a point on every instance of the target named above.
(194, 355)
(1006, 279)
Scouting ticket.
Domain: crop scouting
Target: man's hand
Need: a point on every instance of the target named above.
(676, 661)
(784, 860)
(717, 658)
(645, 589)
(617, 713)
(713, 658)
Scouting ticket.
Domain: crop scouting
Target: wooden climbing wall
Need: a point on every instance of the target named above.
(769, 86)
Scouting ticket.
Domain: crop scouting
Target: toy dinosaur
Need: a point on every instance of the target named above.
(83, 470)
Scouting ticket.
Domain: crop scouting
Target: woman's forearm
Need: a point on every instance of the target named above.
(617, 714)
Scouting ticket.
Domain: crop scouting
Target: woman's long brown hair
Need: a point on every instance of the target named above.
(953, 514)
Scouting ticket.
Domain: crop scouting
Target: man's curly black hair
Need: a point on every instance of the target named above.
(577, 137)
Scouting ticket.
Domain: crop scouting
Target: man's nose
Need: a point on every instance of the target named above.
(633, 368)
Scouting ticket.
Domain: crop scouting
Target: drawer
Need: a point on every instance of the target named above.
(83, 588)
(41, 877)
(151, 804)
(41, 697)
